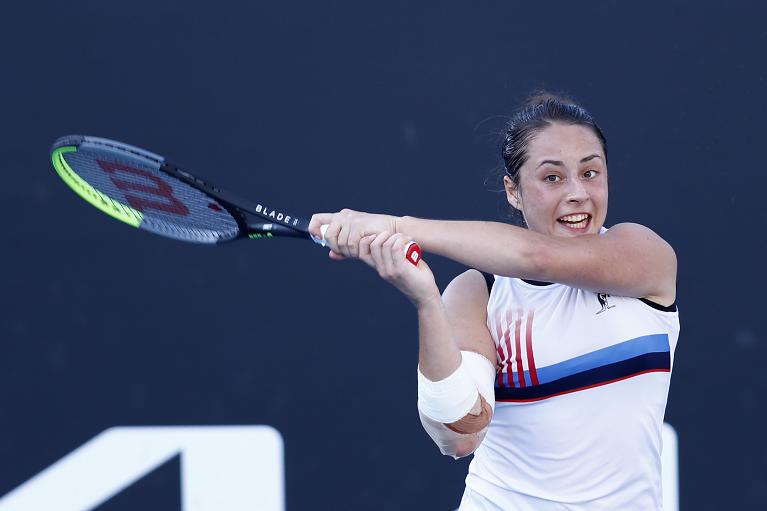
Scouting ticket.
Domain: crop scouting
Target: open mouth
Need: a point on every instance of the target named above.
(576, 221)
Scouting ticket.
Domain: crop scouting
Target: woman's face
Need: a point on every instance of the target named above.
(563, 184)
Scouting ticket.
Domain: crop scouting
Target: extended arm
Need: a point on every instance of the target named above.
(628, 260)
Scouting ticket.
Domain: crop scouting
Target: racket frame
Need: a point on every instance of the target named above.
(275, 222)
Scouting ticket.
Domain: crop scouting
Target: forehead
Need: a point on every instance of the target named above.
(563, 141)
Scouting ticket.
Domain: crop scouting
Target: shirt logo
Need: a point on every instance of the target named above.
(602, 297)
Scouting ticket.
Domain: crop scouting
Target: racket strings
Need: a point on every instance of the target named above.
(168, 206)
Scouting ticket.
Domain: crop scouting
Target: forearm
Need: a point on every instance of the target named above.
(487, 246)
(438, 353)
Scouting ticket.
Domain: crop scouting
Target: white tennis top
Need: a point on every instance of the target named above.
(581, 395)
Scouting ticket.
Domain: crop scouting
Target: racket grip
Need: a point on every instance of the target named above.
(412, 250)
(321, 241)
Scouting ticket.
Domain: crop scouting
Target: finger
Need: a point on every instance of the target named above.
(317, 220)
(376, 247)
(422, 266)
(342, 241)
(331, 235)
(387, 255)
(350, 233)
(399, 248)
(335, 256)
(364, 250)
(353, 242)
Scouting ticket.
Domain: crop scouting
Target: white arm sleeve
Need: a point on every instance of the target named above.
(451, 399)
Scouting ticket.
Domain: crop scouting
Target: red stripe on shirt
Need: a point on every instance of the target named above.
(502, 359)
(518, 345)
(529, 345)
(507, 336)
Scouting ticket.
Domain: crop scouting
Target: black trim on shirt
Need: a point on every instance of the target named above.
(489, 280)
(537, 282)
(664, 308)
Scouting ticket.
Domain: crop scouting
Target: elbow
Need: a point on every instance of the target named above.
(470, 430)
(457, 445)
(461, 438)
(463, 447)
(474, 422)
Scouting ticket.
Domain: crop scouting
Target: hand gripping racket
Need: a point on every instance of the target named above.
(146, 191)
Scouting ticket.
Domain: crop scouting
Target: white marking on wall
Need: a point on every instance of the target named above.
(669, 462)
(222, 468)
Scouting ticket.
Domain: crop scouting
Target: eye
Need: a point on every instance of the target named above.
(590, 174)
(551, 178)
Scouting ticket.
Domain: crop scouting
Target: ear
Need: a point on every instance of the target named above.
(512, 193)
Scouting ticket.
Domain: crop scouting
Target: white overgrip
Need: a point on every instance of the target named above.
(321, 241)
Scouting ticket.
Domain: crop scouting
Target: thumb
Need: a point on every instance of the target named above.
(317, 221)
(336, 257)
(422, 266)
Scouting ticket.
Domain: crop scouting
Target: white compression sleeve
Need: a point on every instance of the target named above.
(451, 399)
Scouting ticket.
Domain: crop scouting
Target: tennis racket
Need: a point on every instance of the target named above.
(143, 189)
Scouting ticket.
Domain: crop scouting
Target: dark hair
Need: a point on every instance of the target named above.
(540, 111)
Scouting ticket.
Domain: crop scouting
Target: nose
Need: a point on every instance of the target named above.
(576, 193)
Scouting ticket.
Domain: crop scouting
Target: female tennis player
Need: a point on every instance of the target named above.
(552, 362)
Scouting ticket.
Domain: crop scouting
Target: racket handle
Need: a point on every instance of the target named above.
(321, 241)
(412, 250)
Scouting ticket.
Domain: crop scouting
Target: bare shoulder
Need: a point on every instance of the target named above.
(465, 300)
(646, 240)
(657, 253)
(637, 232)
(469, 288)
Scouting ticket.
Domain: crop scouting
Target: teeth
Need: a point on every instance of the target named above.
(574, 218)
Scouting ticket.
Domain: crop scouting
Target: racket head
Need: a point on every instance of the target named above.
(135, 186)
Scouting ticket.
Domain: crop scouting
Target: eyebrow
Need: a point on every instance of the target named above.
(558, 162)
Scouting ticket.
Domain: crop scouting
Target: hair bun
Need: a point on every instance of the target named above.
(542, 97)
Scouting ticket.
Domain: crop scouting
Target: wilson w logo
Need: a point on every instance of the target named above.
(222, 468)
(163, 199)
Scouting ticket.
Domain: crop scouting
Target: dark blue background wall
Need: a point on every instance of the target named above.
(384, 106)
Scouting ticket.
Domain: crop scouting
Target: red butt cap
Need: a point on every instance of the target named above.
(413, 253)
